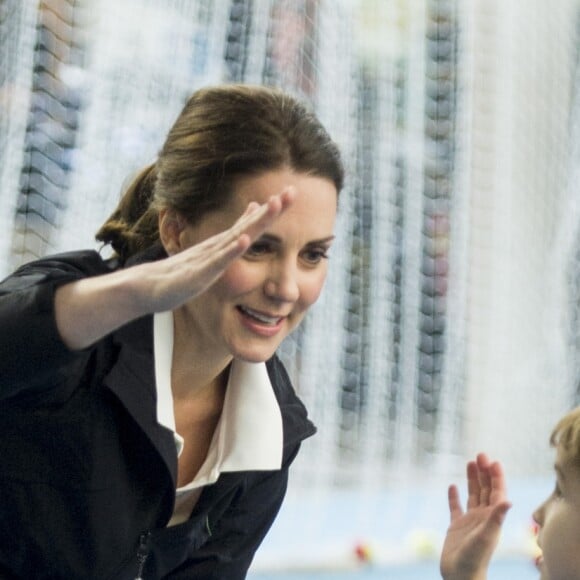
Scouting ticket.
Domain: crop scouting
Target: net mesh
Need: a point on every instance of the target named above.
(449, 322)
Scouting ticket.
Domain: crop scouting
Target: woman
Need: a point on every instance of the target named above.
(146, 425)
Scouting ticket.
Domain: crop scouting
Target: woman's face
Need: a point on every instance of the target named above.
(559, 525)
(264, 295)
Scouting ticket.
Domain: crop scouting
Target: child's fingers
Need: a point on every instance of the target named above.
(455, 509)
(482, 460)
(498, 514)
(483, 468)
(498, 484)
(473, 486)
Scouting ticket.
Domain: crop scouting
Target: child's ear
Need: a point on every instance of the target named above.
(171, 224)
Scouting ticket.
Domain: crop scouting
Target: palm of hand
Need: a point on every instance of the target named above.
(473, 535)
(469, 544)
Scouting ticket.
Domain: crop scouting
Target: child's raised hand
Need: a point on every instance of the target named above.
(473, 535)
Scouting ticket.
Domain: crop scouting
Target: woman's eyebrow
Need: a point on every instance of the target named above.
(272, 238)
(321, 242)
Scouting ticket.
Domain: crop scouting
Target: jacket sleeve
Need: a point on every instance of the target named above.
(32, 353)
(237, 534)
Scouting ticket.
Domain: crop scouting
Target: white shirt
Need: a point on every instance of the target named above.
(248, 436)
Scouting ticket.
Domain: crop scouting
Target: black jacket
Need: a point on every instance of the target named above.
(87, 475)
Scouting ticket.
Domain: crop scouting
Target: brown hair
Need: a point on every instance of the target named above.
(566, 436)
(222, 133)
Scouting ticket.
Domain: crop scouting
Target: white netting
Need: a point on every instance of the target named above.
(17, 37)
(450, 318)
(517, 383)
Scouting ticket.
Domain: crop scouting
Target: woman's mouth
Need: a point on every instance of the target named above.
(260, 317)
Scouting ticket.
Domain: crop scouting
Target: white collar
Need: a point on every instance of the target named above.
(249, 435)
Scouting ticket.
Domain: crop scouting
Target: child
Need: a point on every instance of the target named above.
(473, 535)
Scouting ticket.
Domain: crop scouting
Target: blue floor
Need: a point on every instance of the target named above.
(316, 534)
(501, 570)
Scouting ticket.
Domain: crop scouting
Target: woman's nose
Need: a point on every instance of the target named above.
(282, 283)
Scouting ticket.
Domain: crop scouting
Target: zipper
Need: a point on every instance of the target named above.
(142, 554)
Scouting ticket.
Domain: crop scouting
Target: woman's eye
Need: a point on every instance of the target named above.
(316, 255)
(557, 492)
(258, 249)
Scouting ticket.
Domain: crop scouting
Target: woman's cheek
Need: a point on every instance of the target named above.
(241, 277)
(312, 289)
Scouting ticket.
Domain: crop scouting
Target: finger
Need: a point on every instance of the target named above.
(279, 203)
(247, 227)
(288, 196)
(455, 509)
(232, 242)
(483, 461)
(252, 207)
(498, 483)
(498, 515)
(483, 467)
(254, 223)
(473, 488)
(257, 221)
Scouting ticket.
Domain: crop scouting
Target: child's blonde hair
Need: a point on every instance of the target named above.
(566, 437)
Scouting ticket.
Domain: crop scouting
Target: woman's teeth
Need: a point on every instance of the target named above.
(263, 318)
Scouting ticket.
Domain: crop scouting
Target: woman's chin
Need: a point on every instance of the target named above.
(255, 355)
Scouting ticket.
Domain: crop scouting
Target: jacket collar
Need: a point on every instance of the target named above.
(249, 435)
(132, 380)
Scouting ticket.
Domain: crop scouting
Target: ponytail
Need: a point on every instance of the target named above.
(133, 225)
(222, 134)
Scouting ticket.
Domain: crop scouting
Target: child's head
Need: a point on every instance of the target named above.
(559, 516)
(566, 438)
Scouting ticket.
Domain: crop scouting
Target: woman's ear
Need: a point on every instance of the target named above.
(171, 224)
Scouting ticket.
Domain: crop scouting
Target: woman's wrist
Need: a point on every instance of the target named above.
(89, 309)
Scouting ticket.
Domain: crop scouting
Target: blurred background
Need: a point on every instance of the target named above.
(450, 319)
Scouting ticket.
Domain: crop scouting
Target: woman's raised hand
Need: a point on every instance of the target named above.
(88, 309)
(188, 273)
(473, 535)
